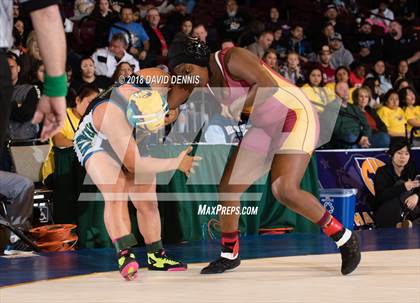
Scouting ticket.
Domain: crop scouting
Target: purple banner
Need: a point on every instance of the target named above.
(354, 169)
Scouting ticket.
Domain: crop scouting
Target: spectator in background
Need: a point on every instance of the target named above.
(382, 14)
(104, 17)
(328, 73)
(398, 47)
(16, 10)
(107, 59)
(340, 55)
(342, 74)
(357, 74)
(393, 116)
(18, 192)
(25, 98)
(138, 38)
(137, 15)
(279, 43)
(270, 58)
(374, 86)
(163, 6)
(123, 69)
(37, 75)
(397, 189)
(292, 70)
(88, 77)
(379, 70)
(298, 43)
(175, 18)
(405, 9)
(190, 4)
(332, 16)
(61, 171)
(21, 34)
(232, 24)
(316, 92)
(200, 32)
(379, 137)
(18, 44)
(275, 22)
(409, 103)
(367, 45)
(402, 83)
(187, 26)
(158, 51)
(402, 72)
(351, 128)
(262, 44)
(83, 8)
(29, 59)
(323, 39)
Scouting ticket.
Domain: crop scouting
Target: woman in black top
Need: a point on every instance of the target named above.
(397, 188)
(88, 77)
(104, 16)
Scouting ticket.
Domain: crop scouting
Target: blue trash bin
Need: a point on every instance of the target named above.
(341, 203)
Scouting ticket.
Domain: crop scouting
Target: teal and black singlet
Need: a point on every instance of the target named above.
(89, 140)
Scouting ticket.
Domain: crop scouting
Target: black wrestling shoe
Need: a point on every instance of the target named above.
(221, 265)
(350, 254)
(17, 248)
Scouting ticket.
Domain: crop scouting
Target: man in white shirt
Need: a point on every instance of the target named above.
(106, 59)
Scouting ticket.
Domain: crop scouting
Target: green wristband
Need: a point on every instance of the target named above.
(55, 86)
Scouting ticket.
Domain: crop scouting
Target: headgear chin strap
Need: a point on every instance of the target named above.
(186, 49)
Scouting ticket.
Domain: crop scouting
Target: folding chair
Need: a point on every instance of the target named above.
(27, 157)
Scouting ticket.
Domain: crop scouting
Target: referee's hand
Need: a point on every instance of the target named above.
(51, 111)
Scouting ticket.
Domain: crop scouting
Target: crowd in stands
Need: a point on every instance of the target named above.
(363, 53)
(346, 51)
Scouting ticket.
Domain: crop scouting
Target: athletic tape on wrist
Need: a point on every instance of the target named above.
(55, 86)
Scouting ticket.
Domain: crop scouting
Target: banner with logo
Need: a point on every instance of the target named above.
(354, 169)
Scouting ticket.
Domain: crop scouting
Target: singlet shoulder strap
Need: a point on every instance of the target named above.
(216, 57)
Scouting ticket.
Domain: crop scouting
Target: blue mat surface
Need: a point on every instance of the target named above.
(86, 261)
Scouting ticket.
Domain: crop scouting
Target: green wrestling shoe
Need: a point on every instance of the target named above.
(160, 261)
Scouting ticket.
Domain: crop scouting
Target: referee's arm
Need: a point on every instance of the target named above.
(48, 26)
(49, 29)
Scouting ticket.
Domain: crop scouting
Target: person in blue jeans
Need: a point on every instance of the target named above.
(18, 194)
